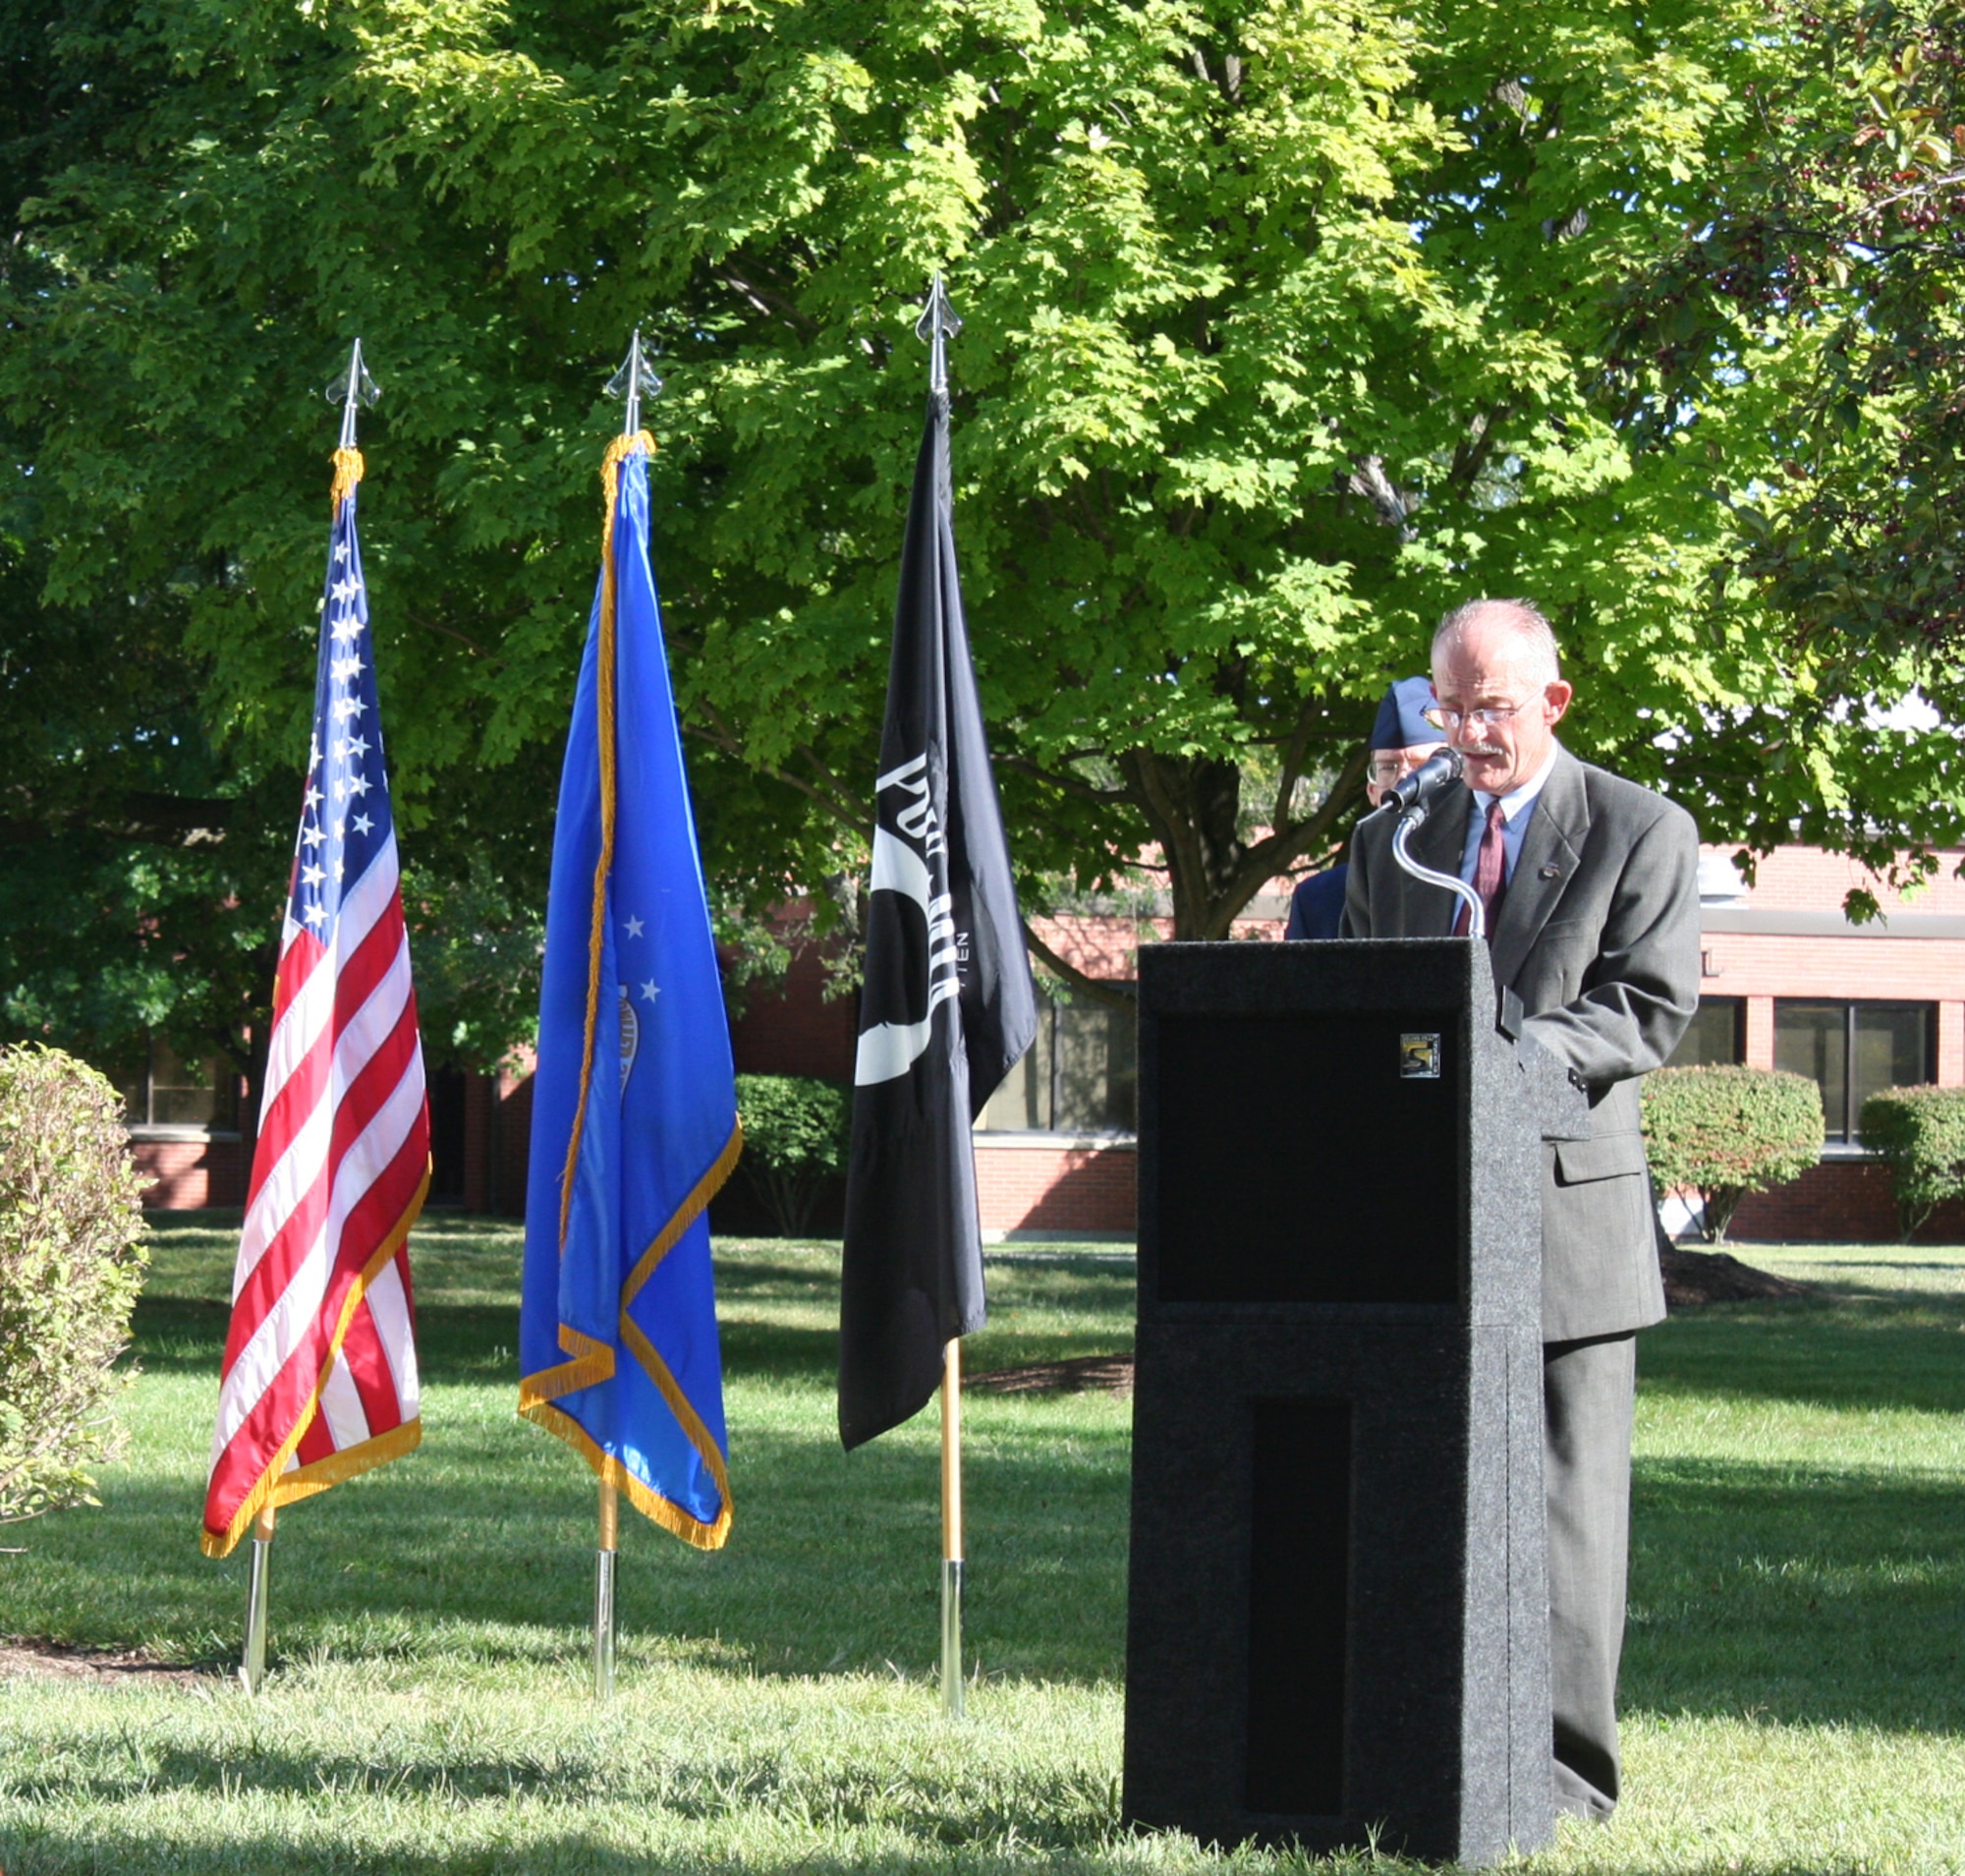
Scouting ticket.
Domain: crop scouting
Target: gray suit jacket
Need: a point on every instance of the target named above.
(1598, 936)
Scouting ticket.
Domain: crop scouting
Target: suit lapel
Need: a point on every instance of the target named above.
(1547, 862)
(1438, 845)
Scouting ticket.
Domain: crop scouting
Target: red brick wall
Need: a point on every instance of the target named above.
(497, 1136)
(1065, 1188)
(1883, 969)
(796, 1030)
(185, 1174)
(1838, 1201)
(1807, 879)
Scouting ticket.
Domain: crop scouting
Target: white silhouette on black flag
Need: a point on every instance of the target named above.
(948, 1006)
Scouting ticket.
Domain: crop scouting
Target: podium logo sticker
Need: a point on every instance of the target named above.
(1418, 1058)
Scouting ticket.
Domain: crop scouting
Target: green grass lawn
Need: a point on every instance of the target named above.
(1792, 1685)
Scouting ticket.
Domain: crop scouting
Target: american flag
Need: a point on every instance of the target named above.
(319, 1381)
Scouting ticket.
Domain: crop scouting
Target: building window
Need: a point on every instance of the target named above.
(1079, 1076)
(164, 1089)
(1717, 1035)
(1853, 1051)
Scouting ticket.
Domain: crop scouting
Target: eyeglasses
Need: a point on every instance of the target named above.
(1484, 717)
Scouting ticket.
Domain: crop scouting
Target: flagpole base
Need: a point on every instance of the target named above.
(603, 1625)
(253, 1669)
(951, 1637)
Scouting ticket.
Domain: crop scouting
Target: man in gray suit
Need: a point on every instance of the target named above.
(1592, 888)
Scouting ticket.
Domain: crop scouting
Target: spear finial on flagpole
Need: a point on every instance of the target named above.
(353, 389)
(938, 324)
(635, 381)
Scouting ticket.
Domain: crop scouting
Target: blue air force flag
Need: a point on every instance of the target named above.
(634, 1103)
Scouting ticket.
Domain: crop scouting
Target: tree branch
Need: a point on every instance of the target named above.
(161, 821)
(768, 300)
(1471, 453)
(712, 729)
(1101, 990)
(1063, 780)
(451, 631)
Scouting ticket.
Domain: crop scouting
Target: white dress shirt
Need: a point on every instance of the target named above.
(1517, 805)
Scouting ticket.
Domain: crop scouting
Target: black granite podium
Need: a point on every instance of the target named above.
(1338, 1620)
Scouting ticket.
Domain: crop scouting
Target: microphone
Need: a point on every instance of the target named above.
(1412, 798)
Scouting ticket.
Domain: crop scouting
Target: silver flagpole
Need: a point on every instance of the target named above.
(352, 389)
(253, 1669)
(631, 383)
(951, 1531)
(603, 1592)
(938, 324)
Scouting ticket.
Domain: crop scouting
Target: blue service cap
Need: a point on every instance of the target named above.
(1401, 722)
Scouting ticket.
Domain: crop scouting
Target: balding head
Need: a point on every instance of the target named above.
(1497, 620)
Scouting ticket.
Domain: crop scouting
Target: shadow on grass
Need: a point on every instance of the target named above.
(482, 1543)
(950, 1802)
(1859, 1349)
(1010, 1850)
(581, 1853)
(1802, 1596)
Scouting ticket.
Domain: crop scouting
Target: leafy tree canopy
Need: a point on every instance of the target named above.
(1831, 267)
(1286, 328)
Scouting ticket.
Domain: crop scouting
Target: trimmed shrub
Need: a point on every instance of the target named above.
(1918, 1133)
(72, 1259)
(795, 1133)
(1726, 1132)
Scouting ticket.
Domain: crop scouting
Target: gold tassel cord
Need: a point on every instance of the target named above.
(618, 452)
(348, 470)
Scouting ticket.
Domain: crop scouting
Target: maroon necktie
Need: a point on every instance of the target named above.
(1490, 871)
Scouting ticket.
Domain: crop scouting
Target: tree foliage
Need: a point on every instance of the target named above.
(1831, 270)
(1286, 328)
(1723, 1132)
(795, 1133)
(72, 1261)
(135, 868)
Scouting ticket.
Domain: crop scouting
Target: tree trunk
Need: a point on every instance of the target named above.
(1193, 806)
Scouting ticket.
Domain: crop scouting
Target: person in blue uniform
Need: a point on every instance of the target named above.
(1401, 739)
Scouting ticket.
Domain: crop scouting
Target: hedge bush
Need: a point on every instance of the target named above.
(795, 1133)
(1920, 1135)
(1726, 1132)
(72, 1259)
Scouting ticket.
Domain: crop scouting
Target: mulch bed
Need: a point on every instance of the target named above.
(1082, 1374)
(25, 1655)
(1692, 1277)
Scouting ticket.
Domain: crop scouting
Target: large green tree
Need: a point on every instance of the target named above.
(1286, 327)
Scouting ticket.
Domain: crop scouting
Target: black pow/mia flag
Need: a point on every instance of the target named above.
(948, 1005)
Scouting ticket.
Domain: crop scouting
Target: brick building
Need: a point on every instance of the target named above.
(1788, 981)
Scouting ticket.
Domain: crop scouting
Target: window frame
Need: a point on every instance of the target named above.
(224, 1124)
(1051, 1011)
(1846, 1141)
(1739, 1055)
